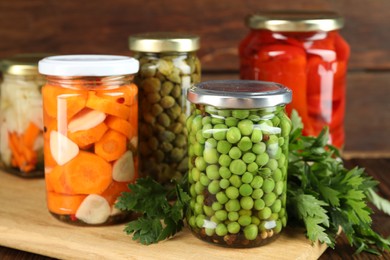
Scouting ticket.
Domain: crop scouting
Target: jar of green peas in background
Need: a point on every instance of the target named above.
(238, 146)
(168, 67)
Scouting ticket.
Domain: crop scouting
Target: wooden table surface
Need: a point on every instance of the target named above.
(376, 167)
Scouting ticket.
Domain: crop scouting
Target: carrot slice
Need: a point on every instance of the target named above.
(114, 191)
(23, 157)
(123, 95)
(63, 204)
(107, 106)
(87, 173)
(84, 138)
(120, 125)
(57, 99)
(31, 134)
(111, 146)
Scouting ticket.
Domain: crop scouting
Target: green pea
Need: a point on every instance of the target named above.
(240, 114)
(189, 121)
(278, 226)
(265, 172)
(262, 159)
(196, 123)
(217, 120)
(198, 149)
(272, 164)
(244, 220)
(232, 192)
(214, 187)
(245, 126)
(254, 117)
(198, 208)
(233, 227)
(282, 160)
(255, 220)
(279, 186)
(259, 204)
(281, 141)
(252, 167)
(233, 216)
(204, 180)
(249, 157)
(285, 125)
(259, 148)
(274, 216)
(206, 120)
(233, 135)
(221, 230)
(199, 220)
(195, 173)
(256, 136)
(192, 221)
(235, 180)
(257, 194)
(245, 189)
(257, 182)
(199, 137)
(211, 110)
(277, 206)
(245, 212)
(210, 143)
(246, 203)
(231, 121)
(235, 153)
(245, 144)
(251, 231)
(209, 231)
(221, 215)
(269, 185)
(200, 199)
(265, 213)
(224, 183)
(212, 172)
(208, 211)
(219, 132)
(221, 197)
(216, 205)
(247, 177)
(284, 221)
(224, 160)
(224, 113)
(269, 199)
(237, 167)
(224, 172)
(192, 191)
(207, 130)
(233, 205)
(200, 163)
(199, 188)
(223, 146)
(277, 175)
(210, 155)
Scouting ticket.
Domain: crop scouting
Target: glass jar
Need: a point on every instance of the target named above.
(21, 135)
(305, 52)
(238, 150)
(90, 115)
(168, 67)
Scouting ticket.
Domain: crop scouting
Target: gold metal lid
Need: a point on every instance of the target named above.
(164, 42)
(295, 21)
(21, 64)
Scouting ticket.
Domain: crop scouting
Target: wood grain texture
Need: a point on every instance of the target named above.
(101, 26)
(26, 225)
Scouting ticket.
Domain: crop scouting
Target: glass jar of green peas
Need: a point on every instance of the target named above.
(238, 135)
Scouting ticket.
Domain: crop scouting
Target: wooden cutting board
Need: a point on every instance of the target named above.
(25, 224)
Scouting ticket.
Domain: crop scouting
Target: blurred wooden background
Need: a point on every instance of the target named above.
(101, 26)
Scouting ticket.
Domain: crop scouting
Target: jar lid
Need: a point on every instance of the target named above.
(22, 64)
(240, 94)
(164, 42)
(296, 21)
(88, 65)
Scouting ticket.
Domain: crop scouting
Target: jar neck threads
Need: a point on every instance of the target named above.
(89, 82)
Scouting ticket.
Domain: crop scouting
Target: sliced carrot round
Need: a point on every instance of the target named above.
(57, 99)
(114, 191)
(107, 105)
(63, 204)
(111, 146)
(120, 125)
(126, 95)
(84, 138)
(86, 173)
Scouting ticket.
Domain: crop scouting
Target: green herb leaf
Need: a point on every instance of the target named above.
(379, 202)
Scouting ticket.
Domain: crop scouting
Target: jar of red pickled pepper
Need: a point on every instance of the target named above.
(305, 52)
(90, 118)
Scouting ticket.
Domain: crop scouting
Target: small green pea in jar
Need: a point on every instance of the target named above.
(238, 146)
(168, 67)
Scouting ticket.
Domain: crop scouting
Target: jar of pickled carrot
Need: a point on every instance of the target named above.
(90, 122)
(305, 52)
(168, 67)
(21, 135)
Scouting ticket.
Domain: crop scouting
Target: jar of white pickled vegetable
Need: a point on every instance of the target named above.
(238, 146)
(90, 116)
(168, 67)
(21, 136)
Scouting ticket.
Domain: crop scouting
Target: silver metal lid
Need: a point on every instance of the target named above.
(239, 94)
(164, 42)
(296, 21)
